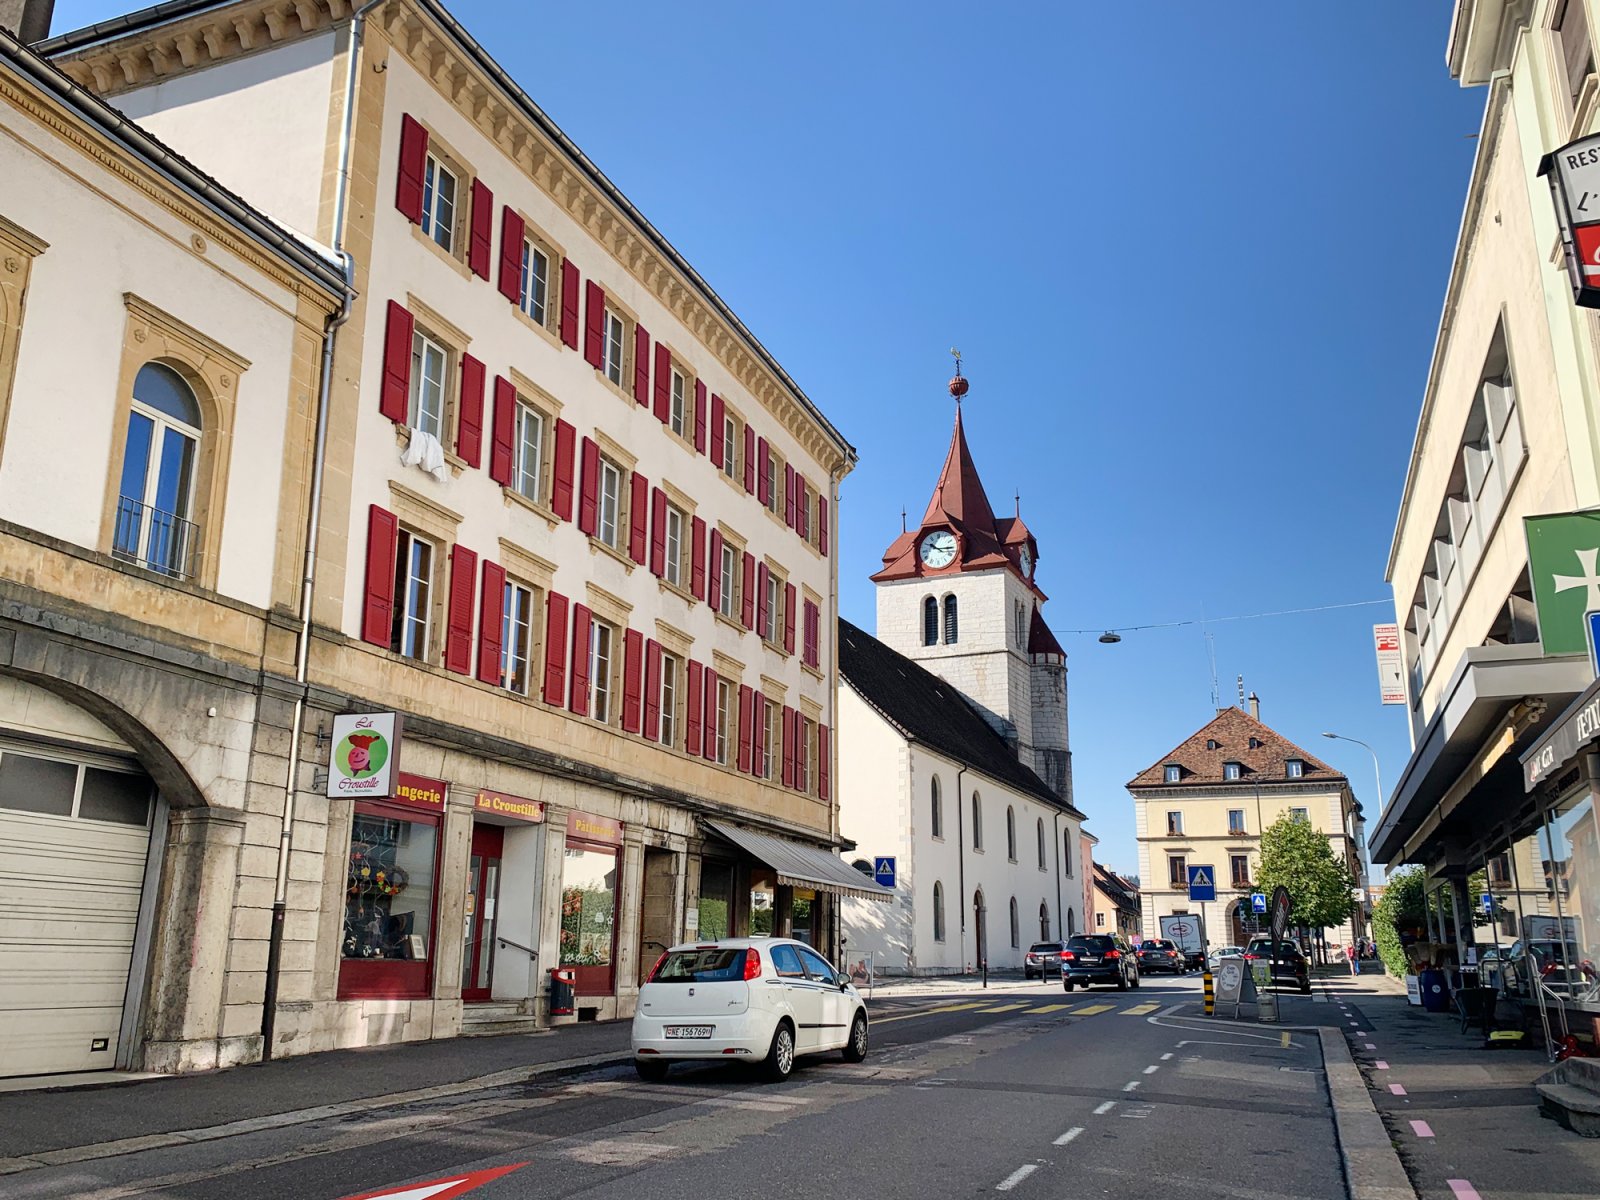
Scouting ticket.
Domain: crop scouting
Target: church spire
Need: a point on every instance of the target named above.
(959, 497)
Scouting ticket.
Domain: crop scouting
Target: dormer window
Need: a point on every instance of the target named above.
(1255, 743)
(1213, 744)
(1231, 770)
(1295, 768)
(1173, 773)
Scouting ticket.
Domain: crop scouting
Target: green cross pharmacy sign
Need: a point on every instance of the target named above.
(1564, 564)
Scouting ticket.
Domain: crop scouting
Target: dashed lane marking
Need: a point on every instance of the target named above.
(1104, 1108)
(1068, 1136)
(1152, 1069)
(1422, 1129)
(1397, 1089)
(1463, 1190)
(1016, 1177)
(1089, 1010)
(1140, 1010)
(1165, 1057)
(1369, 1046)
(1381, 1064)
(1131, 1086)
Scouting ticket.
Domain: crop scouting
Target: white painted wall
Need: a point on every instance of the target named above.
(875, 812)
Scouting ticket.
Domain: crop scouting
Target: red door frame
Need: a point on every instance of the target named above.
(488, 844)
(601, 981)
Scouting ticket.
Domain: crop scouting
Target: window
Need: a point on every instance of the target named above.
(388, 947)
(534, 292)
(1020, 625)
(680, 404)
(786, 962)
(439, 204)
(930, 622)
(1099, 920)
(727, 592)
(1011, 834)
(1172, 773)
(429, 366)
(610, 523)
(977, 822)
(676, 522)
(1044, 921)
(730, 445)
(1571, 29)
(1066, 854)
(950, 623)
(1174, 824)
(1235, 821)
(802, 759)
(601, 653)
(528, 471)
(724, 718)
(938, 810)
(1299, 814)
(771, 604)
(516, 638)
(156, 496)
(1178, 872)
(1230, 770)
(774, 492)
(1213, 744)
(1016, 930)
(671, 672)
(1241, 870)
(1255, 743)
(1295, 768)
(938, 911)
(615, 341)
(413, 588)
(771, 732)
(1041, 843)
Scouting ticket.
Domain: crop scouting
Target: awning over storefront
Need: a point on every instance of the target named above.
(1567, 737)
(799, 865)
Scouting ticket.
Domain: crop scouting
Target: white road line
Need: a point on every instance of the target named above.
(1068, 1136)
(1151, 1070)
(1166, 1056)
(1105, 1108)
(1016, 1177)
(1132, 1086)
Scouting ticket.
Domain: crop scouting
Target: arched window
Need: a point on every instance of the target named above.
(977, 822)
(1016, 928)
(938, 911)
(938, 810)
(930, 622)
(1072, 922)
(1041, 844)
(950, 624)
(1011, 833)
(155, 501)
(1044, 920)
(1066, 854)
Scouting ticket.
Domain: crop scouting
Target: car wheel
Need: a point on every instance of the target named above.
(1066, 985)
(651, 1070)
(856, 1048)
(1305, 988)
(780, 1058)
(1136, 979)
(1122, 982)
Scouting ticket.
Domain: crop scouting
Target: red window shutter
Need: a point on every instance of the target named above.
(758, 732)
(824, 766)
(746, 725)
(763, 477)
(589, 488)
(822, 525)
(652, 689)
(717, 448)
(788, 617)
(749, 460)
(377, 612)
(749, 606)
(641, 365)
(762, 577)
(632, 679)
(569, 303)
(458, 614)
(693, 736)
(513, 232)
(788, 746)
(594, 329)
(561, 488)
(714, 587)
(699, 416)
(658, 532)
(710, 717)
(469, 428)
(394, 398)
(491, 617)
(663, 383)
(413, 162)
(638, 517)
(582, 624)
(788, 495)
(482, 237)
(555, 649)
(697, 565)
(503, 445)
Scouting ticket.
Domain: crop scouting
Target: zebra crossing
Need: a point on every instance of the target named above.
(1023, 1008)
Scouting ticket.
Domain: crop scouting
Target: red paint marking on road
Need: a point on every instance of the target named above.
(1421, 1129)
(1381, 1064)
(1397, 1089)
(1463, 1189)
(440, 1189)
(1370, 1046)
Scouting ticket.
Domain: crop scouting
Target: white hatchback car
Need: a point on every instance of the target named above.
(753, 999)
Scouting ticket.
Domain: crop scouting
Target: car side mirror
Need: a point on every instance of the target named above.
(844, 983)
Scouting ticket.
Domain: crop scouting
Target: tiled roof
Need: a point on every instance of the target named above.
(1233, 730)
(1040, 639)
(934, 713)
(1118, 888)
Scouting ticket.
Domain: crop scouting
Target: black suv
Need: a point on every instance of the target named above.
(1160, 954)
(1290, 967)
(1098, 958)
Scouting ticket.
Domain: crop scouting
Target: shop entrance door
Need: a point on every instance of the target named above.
(483, 890)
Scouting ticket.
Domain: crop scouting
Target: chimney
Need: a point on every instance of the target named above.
(28, 19)
(1255, 706)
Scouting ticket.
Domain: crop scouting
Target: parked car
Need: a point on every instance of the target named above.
(1098, 958)
(1541, 957)
(1289, 966)
(1159, 954)
(1042, 957)
(760, 1000)
(1222, 952)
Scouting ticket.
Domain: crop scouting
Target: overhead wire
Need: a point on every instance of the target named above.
(1282, 612)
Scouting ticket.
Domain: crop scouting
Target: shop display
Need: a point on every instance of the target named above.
(389, 889)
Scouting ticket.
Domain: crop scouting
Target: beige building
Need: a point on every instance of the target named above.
(1116, 905)
(1206, 802)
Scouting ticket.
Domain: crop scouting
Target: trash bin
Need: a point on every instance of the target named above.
(562, 995)
(1435, 991)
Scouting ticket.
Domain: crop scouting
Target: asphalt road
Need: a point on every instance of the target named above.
(1038, 1094)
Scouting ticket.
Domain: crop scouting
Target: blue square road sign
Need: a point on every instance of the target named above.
(1202, 883)
(883, 871)
(1258, 902)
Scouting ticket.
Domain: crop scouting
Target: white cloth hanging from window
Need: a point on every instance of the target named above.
(425, 451)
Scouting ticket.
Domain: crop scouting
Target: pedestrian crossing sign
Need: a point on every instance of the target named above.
(1202, 883)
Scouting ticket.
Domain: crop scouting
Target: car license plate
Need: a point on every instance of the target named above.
(1090, 961)
(689, 1031)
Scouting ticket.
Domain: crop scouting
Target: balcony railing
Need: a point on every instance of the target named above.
(158, 541)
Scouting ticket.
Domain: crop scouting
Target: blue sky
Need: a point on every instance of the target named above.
(1195, 266)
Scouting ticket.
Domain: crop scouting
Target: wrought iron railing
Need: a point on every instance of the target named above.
(158, 541)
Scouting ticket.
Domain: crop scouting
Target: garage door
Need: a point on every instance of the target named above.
(74, 837)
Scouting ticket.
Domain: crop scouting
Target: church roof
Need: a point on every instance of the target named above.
(1040, 639)
(932, 712)
(1261, 752)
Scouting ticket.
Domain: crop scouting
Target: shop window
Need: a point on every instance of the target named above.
(716, 900)
(389, 902)
(156, 497)
(588, 915)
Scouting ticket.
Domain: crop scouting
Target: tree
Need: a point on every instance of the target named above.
(1403, 906)
(1295, 856)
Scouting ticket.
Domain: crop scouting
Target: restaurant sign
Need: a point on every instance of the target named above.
(366, 755)
(1574, 175)
(1574, 730)
(498, 804)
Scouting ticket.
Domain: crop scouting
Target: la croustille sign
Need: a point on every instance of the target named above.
(1574, 173)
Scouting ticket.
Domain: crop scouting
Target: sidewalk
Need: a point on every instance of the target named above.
(1464, 1120)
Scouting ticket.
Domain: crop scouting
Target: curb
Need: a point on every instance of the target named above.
(1372, 1169)
(67, 1155)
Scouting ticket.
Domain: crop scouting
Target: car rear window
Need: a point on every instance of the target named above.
(1156, 946)
(712, 965)
(1044, 947)
(1082, 942)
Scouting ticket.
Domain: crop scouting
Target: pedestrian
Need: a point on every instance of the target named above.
(1355, 959)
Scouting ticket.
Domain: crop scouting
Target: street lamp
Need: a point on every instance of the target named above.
(1377, 779)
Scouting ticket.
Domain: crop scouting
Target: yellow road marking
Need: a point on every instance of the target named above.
(962, 1007)
(1006, 1008)
(1140, 1010)
(928, 1012)
(1285, 1041)
(1091, 1009)
(1048, 1008)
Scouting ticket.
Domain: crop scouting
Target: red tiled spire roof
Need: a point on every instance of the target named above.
(959, 497)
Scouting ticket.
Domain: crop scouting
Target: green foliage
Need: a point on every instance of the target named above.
(1403, 907)
(1295, 856)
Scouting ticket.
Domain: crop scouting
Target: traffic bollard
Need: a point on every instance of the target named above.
(1211, 995)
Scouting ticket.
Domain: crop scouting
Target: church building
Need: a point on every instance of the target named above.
(953, 751)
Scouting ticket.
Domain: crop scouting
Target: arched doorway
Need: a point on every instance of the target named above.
(980, 920)
(1238, 916)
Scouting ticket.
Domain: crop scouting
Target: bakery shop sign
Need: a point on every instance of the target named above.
(366, 755)
(1574, 174)
(498, 804)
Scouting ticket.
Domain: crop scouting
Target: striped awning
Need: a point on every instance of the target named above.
(799, 865)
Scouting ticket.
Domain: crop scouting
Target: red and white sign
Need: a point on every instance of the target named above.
(440, 1189)
(1574, 174)
(1391, 664)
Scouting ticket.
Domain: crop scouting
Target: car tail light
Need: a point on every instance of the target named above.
(1068, 954)
(650, 977)
(752, 963)
(1172, 954)
(1113, 954)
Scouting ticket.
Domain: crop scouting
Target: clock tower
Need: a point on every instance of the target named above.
(957, 594)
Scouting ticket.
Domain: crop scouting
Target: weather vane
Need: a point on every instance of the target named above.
(958, 385)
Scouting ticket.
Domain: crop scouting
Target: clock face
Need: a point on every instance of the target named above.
(939, 549)
(1026, 559)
